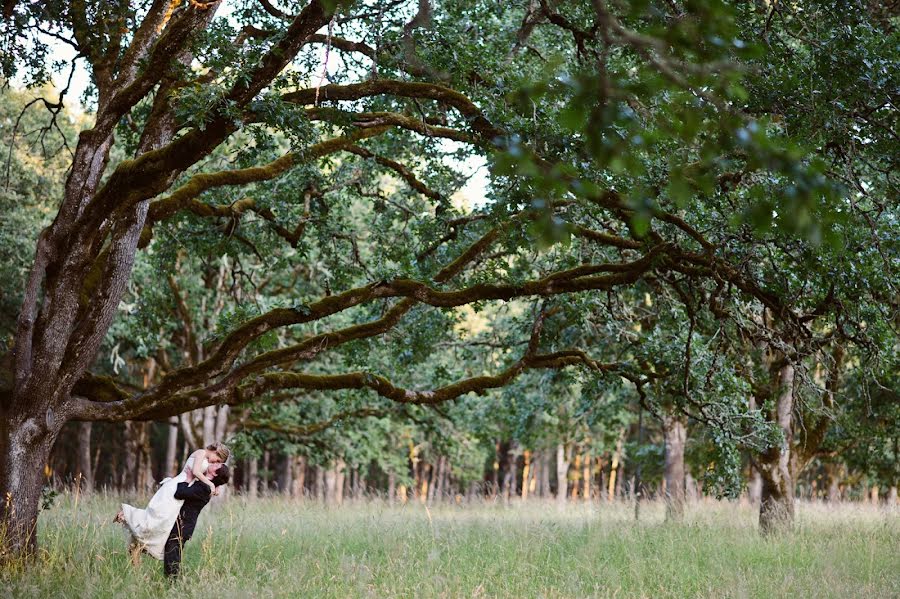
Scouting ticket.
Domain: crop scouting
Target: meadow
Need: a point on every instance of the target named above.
(274, 547)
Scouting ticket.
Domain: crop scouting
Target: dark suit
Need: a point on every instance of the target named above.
(195, 497)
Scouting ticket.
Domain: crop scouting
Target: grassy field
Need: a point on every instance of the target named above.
(277, 548)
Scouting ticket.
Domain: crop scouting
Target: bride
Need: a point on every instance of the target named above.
(150, 527)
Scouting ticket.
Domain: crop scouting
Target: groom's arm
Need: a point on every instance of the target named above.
(186, 491)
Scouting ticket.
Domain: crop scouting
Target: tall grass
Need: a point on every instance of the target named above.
(278, 548)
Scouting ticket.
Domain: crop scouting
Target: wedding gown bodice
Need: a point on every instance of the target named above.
(189, 465)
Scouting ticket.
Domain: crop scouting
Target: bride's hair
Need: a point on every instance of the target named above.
(221, 450)
(222, 477)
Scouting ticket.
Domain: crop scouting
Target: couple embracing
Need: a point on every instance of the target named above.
(168, 521)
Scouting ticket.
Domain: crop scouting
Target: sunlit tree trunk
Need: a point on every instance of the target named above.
(563, 455)
(614, 484)
(526, 473)
(170, 468)
(586, 479)
(675, 436)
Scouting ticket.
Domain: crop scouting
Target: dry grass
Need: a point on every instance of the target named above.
(277, 548)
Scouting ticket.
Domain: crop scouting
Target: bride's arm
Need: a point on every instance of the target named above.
(197, 470)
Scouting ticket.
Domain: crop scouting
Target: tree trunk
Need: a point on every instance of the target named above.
(321, 486)
(209, 425)
(285, 472)
(614, 473)
(25, 445)
(221, 422)
(539, 464)
(441, 487)
(754, 485)
(834, 483)
(776, 508)
(85, 474)
(675, 436)
(526, 474)
(253, 478)
(298, 486)
(330, 486)
(545, 479)
(171, 468)
(562, 473)
(392, 488)
(339, 468)
(586, 477)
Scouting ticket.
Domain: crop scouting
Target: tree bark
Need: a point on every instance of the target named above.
(298, 486)
(562, 473)
(25, 445)
(321, 486)
(170, 468)
(85, 474)
(285, 474)
(675, 436)
(392, 488)
(253, 478)
(614, 473)
(776, 508)
(586, 477)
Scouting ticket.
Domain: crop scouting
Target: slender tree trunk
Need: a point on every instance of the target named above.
(253, 478)
(339, 469)
(330, 486)
(613, 491)
(675, 435)
(562, 473)
(545, 479)
(321, 486)
(209, 425)
(392, 488)
(434, 475)
(495, 472)
(85, 470)
(526, 473)
(285, 471)
(171, 447)
(776, 508)
(440, 487)
(834, 483)
(298, 486)
(586, 477)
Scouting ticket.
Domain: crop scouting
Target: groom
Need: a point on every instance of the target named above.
(195, 497)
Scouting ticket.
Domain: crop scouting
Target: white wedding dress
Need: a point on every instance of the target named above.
(150, 527)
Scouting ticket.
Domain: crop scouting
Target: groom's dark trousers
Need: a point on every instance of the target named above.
(195, 497)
